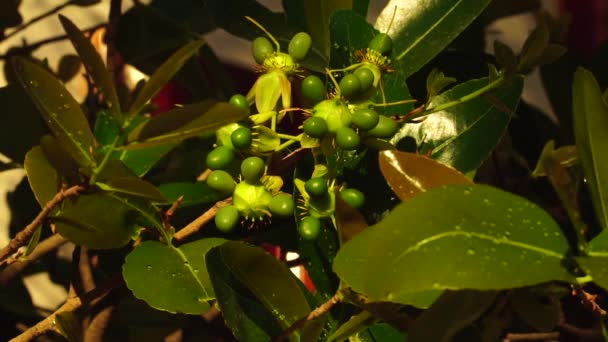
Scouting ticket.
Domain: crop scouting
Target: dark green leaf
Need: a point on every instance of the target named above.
(59, 109)
(85, 220)
(484, 239)
(423, 28)
(464, 135)
(317, 14)
(552, 53)
(193, 193)
(107, 127)
(590, 125)
(505, 57)
(381, 332)
(565, 156)
(409, 174)
(31, 245)
(41, 175)
(220, 114)
(60, 159)
(69, 66)
(451, 313)
(352, 326)
(436, 82)
(133, 186)
(94, 64)
(269, 280)
(534, 47)
(140, 161)
(164, 74)
(171, 279)
(394, 88)
(69, 326)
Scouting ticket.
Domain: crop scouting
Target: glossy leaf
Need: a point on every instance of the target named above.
(164, 74)
(41, 176)
(59, 109)
(133, 186)
(140, 161)
(463, 136)
(423, 28)
(269, 280)
(454, 237)
(409, 174)
(192, 193)
(97, 221)
(218, 115)
(169, 278)
(590, 125)
(355, 324)
(94, 64)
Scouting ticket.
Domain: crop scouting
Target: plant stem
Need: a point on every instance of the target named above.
(284, 145)
(348, 68)
(105, 160)
(288, 137)
(200, 221)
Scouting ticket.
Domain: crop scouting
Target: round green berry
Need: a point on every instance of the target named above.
(226, 218)
(353, 197)
(381, 43)
(221, 181)
(220, 157)
(241, 137)
(309, 228)
(315, 126)
(252, 169)
(366, 78)
(313, 89)
(365, 119)
(261, 48)
(299, 46)
(347, 138)
(385, 128)
(349, 85)
(316, 187)
(282, 205)
(239, 101)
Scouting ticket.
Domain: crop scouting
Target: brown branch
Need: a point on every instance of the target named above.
(98, 325)
(587, 334)
(44, 247)
(73, 303)
(588, 301)
(554, 335)
(24, 235)
(200, 221)
(169, 213)
(37, 19)
(325, 307)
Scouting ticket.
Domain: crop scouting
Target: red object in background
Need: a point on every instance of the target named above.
(589, 25)
(170, 95)
(276, 252)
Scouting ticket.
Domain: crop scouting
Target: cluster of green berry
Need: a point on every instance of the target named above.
(340, 119)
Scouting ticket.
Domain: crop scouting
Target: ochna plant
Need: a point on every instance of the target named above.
(399, 175)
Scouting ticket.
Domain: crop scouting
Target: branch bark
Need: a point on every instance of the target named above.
(200, 221)
(325, 307)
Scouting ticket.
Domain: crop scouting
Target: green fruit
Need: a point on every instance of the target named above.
(366, 78)
(221, 181)
(335, 112)
(347, 138)
(220, 157)
(316, 187)
(252, 169)
(385, 128)
(226, 218)
(381, 43)
(316, 127)
(353, 197)
(349, 85)
(299, 46)
(239, 101)
(252, 200)
(314, 89)
(309, 228)
(365, 119)
(261, 48)
(282, 205)
(241, 138)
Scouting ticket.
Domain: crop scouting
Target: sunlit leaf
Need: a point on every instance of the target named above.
(59, 109)
(409, 174)
(454, 237)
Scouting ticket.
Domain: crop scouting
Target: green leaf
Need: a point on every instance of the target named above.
(60, 160)
(409, 174)
(565, 156)
(164, 74)
(484, 239)
(463, 136)
(41, 175)
(193, 193)
(97, 221)
(218, 115)
(590, 125)
(451, 313)
(140, 161)
(534, 47)
(423, 28)
(381, 332)
(94, 64)
(355, 324)
(269, 280)
(317, 14)
(436, 82)
(133, 186)
(505, 57)
(107, 127)
(171, 279)
(59, 109)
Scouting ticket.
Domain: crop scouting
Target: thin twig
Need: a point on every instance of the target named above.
(37, 19)
(169, 213)
(24, 235)
(48, 245)
(588, 301)
(554, 335)
(325, 307)
(200, 221)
